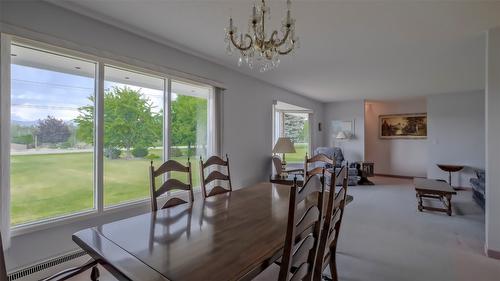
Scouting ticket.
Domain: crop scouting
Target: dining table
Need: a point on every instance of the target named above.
(231, 236)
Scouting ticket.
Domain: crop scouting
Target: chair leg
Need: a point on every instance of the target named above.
(333, 267)
(94, 274)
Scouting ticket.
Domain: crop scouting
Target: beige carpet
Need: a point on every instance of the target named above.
(384, 237)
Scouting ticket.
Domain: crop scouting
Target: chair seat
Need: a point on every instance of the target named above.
(270, 274)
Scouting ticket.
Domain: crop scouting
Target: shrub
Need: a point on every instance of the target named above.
(153, 156)
(140, 152)
(66, 145)
(112, 153)
(24, 139)
(175, 152)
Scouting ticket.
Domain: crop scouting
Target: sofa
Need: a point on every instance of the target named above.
(478, 187)
(336, 153)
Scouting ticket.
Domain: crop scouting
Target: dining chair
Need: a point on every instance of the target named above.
(170, 184)
(215, 163)
(305, 213)
(63, 275)
(317, 170)
(331, 227)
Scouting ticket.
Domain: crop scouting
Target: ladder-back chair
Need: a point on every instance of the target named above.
(331, 227)
(317, 170)
(215, 175)
(170, 184)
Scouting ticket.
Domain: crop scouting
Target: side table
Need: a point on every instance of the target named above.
(450, 169)
(287, 180)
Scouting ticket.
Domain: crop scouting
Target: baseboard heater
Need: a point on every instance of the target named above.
(45, 265)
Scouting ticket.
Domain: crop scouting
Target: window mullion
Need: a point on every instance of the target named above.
(5, 110)
(99, 139)
(166, 122)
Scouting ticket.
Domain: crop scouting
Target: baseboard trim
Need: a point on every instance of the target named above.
(394, 176)
(493, 254)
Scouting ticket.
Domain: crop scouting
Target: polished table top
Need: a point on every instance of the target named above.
(230, 236)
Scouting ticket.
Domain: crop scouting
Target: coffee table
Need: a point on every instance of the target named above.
(426, 188)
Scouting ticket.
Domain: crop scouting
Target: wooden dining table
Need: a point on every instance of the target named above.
(232, 236)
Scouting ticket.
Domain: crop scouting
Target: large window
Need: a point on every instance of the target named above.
(293, 122)
(51, 155)
(133, 133)
(189, 125)
(84, 131)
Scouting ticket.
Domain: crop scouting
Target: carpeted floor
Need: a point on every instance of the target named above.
(384, 237)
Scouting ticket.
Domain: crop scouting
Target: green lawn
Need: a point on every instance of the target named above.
(48, 185)
(299, 155)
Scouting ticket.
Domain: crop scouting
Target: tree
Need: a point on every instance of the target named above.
(189, 121)
(294, 127)
(52, 130)
(129, 120)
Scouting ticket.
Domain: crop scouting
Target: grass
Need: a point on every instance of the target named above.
(298, 156)
(50, 185)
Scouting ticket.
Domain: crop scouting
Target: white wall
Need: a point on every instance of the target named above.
(493, 143)
(247, 104)
(353, 149)
(397, 157)
(456, 134)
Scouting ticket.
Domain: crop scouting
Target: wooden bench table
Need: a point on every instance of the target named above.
(426, 188)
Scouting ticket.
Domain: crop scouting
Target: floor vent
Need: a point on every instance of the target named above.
(44, 265)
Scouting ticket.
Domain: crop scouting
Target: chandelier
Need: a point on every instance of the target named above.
(255, 47)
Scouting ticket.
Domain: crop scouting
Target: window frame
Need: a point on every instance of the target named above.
(278, 116)
(101, 62)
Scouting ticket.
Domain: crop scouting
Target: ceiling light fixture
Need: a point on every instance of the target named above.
(255, 45)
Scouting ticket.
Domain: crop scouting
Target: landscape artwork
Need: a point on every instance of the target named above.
(407, 126)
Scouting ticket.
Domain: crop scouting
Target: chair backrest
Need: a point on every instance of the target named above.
(331, 226)
(277, 164)
(215, 175)
(170, 184)
(3, 270)
(317, 170)
(303, 231)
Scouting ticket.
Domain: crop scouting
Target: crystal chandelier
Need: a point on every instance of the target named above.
(254, 47)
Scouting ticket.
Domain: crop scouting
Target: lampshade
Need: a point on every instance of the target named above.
(284, 145)
(341, 136)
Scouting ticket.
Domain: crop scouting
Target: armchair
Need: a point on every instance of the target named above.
(336, 153)
(278, 167)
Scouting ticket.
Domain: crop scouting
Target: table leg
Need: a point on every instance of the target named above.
(448, 201)
(420, 205)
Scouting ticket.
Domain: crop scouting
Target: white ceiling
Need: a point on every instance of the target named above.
(349, 49)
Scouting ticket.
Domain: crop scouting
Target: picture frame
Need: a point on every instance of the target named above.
(347, 126)
(403, 126)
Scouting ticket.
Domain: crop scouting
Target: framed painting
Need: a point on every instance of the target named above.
(403, 126)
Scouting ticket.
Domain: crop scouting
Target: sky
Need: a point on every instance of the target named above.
(37, 93)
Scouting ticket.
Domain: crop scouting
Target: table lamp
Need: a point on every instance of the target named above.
(283, 145)
(341, 135)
